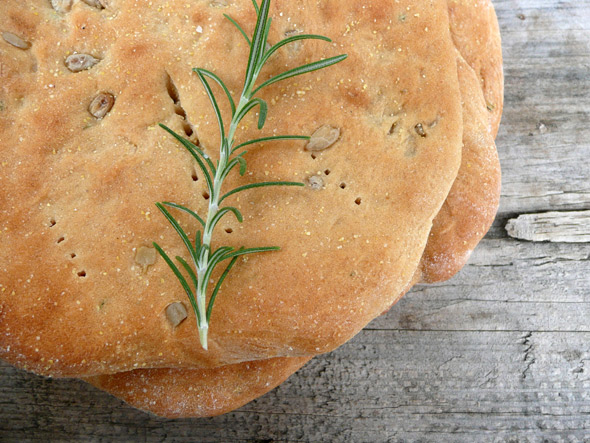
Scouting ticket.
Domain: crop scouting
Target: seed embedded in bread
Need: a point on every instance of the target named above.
(101, 105)
(219, 3)
(176, 313)
(420, 130)
(62, 6)
(145, 256)
(15, 40)
(98, 4)
(315, 182)
(324, 137)
(80, 62)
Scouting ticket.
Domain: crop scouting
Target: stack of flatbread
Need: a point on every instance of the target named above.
(401, 186)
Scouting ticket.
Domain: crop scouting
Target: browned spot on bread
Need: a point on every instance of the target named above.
(24, 22)
(199, 17)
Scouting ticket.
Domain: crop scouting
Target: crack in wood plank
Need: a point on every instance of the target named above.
(528, 358)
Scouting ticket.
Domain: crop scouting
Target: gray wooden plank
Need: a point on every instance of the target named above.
(544, 138)
(565, 226)
(381, 386)
(507, 285)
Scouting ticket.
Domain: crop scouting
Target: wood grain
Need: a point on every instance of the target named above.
(566, 227)
(544, 136)
(499, 353)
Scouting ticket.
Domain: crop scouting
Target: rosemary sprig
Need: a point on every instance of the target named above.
(203, 257)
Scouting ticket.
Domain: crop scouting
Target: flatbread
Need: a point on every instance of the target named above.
(98, 312)
(169, 392)
(470, 208)
(465, 217)
(477, 18)
(176, 393)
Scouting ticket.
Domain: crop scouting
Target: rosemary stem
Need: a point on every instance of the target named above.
(203, 324)
(203, 335)
(225, 152)
(244, 99)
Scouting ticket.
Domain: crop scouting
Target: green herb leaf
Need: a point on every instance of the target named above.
(258, 44)
(251, 105)
(268, 139)
(218, 287)
(196, 153)
(178, 229)
(239, 28)
(302, 70)
(189, 271)
(292, 39)
(213, 101)
(187, 210)
(224, 211)
(214, 260)
(238, 160)
(243, 165)
(214, 77)
(246, 251)
(258, 185)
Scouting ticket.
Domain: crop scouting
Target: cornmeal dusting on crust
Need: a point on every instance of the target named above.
(456, 250)
(99, 173)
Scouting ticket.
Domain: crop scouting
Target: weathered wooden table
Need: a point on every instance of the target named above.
(499, 353)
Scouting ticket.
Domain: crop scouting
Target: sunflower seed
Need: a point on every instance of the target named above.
(62, 6)
(15, 40)
(101, 105)
(80, 62)
(145, 256)
(219, 3)
(294, 47)
(323, 138)
(420, 130)
(176, 313)
(99, 4)
(315, 182)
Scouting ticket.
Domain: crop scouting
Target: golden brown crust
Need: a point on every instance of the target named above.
(464, 218)
(467, 212)
(476, 34)
(471, 206)
(341, 263)
(205, 393)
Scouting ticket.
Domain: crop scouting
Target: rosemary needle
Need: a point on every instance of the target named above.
(203, 258)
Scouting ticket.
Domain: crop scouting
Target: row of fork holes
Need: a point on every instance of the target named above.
(178, 109)
(358, 201)
(206, 195)
(52, 223)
